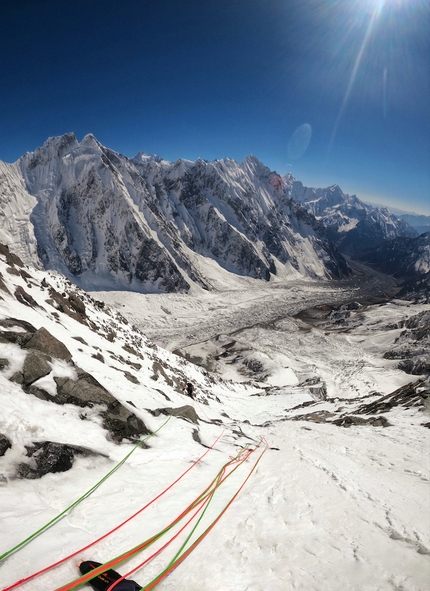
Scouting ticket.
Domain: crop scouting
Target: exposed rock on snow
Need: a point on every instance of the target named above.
(316, 387)
(412, 346)
(414, 394)
(5, 444)
(186, 412)
(41, 350)
(43, 341)
(48, 456)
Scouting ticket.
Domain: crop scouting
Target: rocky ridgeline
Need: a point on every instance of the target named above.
(350, 223)
(412, 347)
(41, 350)
(372, 412)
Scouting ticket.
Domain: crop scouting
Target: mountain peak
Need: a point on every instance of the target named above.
(90, 141)
(142, 157)
(59, 144)
(254, 164)
(252, 159)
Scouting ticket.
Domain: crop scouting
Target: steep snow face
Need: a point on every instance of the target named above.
(240, 216)
(86, 222)
(106, 221)
(350, 223)
(16, 205)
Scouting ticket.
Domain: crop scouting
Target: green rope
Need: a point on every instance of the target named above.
(133, 551)
(182, 554)
(84, 496)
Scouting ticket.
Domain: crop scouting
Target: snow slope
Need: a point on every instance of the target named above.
(328, 508)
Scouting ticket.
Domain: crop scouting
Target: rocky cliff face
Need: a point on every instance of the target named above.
(351, 224)
(407, 259)
(109, 222)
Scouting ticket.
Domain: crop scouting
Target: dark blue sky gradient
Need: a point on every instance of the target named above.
(227, 78)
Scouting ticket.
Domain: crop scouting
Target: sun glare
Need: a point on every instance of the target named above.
(377, 17)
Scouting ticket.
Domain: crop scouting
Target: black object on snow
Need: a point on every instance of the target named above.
(189, 389)
(105, 580)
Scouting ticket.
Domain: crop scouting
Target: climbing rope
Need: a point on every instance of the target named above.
(84, 496)
(48, 568)
(181, 557)
(126, 555)
(202, 500)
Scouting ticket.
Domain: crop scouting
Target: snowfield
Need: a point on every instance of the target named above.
(328, 507)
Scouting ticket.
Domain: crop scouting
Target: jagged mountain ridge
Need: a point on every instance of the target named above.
(351, 224)
(407, 259)
(107, 221)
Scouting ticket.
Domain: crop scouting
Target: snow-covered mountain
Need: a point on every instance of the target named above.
(338, 501)
(106, 221)
(407, 259)
(350, 223)
(418, 221)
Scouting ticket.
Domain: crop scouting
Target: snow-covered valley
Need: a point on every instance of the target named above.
(339, 501)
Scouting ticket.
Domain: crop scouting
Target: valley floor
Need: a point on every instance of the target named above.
(253, 333)
(328, 508)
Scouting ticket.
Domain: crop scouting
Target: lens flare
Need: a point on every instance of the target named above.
(299, 141)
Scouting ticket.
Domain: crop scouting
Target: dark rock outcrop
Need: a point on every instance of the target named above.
(350, 420)
(5, 444)
(72, 305)
(86, 391)
(36, 366)
(48, 344)
(414, 394)
(25, 298)
(4, 363)
(16, 322)
(186, 412)
(49, 457)
(11, 258)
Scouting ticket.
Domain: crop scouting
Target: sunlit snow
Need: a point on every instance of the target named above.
(328, 508)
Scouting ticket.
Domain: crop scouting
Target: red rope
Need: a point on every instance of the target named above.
(220, 478)
(129, 554)
(203, 503)
(165, 573)
(55, 564)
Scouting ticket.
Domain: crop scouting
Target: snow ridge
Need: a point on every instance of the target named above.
(108, 222)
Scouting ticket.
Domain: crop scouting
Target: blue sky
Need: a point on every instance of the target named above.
(227, 78)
